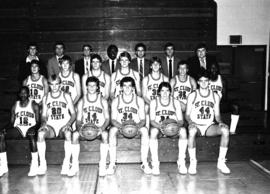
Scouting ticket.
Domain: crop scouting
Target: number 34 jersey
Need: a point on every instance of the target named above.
(93, 111)
(202, 110)
(165, 111)
(36, 88)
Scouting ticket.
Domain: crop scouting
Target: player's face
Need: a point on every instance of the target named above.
(127, 88)
(55, 86)
(32, 50)
(214, 70)
(59, 50)
(164, 93)
(86, 51)
(112, 53)
(96, 64)
(92, 87)
(23, 95)
(203, 82)
(201, 52)
(124, 61)
(65, 65)
(155, 66)
(140, 52)
(182, 70)
(169, 51)
(34, 68)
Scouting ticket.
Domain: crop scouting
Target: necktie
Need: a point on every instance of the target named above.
(141, 70)
(112, 66)
(170, 69)
(202, 63)
(87, 67)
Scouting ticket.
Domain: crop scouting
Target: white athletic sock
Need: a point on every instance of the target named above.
(222, 153)
(104, 147)
(112, 150)
(41, 146)
(144, 153)
(75, 151)
(153, 144)
(234, 122)
(67, 149)
(34, 157)
(192, 153)
(182, 146)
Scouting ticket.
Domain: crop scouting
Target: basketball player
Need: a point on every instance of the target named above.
(92, 108)
(162, 108)
(58, 114)
(128, 107)
(36, 83)
(124, 71)
(24, 123)
(202, 110)
(70, 81)
(182, 84)
(104, 79)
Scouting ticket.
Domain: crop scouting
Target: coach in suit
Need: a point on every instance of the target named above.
(82, 66)
(169, 61)
(53, 66)
(201, 60)
(140, 63)
(112, 64)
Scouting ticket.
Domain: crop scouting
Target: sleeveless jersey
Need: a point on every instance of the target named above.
(93, 111)
(36, 88)
(128, 111)
(102, 81)
(118, 77)
(152, 86)
(57, 111)
(182, 89)
(24, 117)
(164, 112)
(68, 84)
(216, 86)
(202, 110)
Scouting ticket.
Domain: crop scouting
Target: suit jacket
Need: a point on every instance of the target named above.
(53, 66)
(135, 66)
(165, 66)
(79, 67)
(106, 66)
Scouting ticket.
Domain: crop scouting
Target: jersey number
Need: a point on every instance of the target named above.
(204, 110)
(163, 118)
(56, 111)
(33, 92)
(23, 121)
(127, 116)
(182, 94)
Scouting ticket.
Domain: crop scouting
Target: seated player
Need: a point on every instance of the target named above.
(104, 79)
(128, 108)
(37, 83)
(92, 109)
(70, 81)
(58, 114)
(24, 123)
(163, 108)
(182, 84)
(203, 116)
(124, 71)
(216, 85)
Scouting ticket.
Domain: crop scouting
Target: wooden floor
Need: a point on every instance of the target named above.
(245, 178)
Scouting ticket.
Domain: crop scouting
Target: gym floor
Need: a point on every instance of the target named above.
(246, 178)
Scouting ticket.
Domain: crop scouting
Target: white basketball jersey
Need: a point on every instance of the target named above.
(182, 89)
(93, 111)
(68, 84)
(128, 111)
(57, 111)
(24, 117)
(102, 82)
(152, 86)
(164, 112)
(36, 88)
(118, 77)
(216, 86)
(202, 110)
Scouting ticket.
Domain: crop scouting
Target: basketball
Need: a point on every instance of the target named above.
(171, 127)
(89, 131)
(130, 130)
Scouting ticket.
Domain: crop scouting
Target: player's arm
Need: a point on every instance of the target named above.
(190, 100)
(114, 114)
(113, 85)
(78, 87)
(153, 115)
(45, 85)
(107, 86)
(222, 88)
(37, 113)
(106, 114)
(71, 109)
(79, 122)
(217, 110)
(172, 83)
(193, 84)
(144, 90)
(141, 113)
(138, 84)
(84, 88)
(179, 114)
(44, 116)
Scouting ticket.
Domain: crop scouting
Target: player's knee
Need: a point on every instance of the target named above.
(225, 131)
(41, 135)
(104, 137)
(144, 132)
(113, 131)
(183, 133)
(192, 131)
(75, 137)
(67, 134)
(154, 133)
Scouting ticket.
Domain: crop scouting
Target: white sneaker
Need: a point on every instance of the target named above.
(74, 170)
(182, 169)
(223, 167)
(102, 170)
(155, 169)
(146, 169)
(3, 170)
(65, 168)
(42, 168)
(33, 169)
(111, 169)
(192, 167)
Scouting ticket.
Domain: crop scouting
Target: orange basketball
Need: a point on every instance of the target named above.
(89, 131)
(171, 127)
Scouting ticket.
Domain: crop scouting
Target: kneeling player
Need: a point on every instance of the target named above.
(162, 109)
(24, 123)
(128, 108)
(58, 114)
(202, 112)
(92, 109)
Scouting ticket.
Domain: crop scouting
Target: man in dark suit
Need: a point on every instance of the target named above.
(112, 64)
(53, 66)
(140, 64)
(82, 66)
(169, 61)
(201, 60)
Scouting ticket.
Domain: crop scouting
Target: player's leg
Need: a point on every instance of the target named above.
(234, 117)
(192, 129)
(222, 130)
(104, 147)
(144, 150)
(147, 116)
(32, 136)
(182, 147)
(153, 144)
(112, 149)
(74, 150)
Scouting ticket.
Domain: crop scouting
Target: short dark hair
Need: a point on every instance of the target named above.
(96, 56)
(169, 44)
(32, 44)
(87, 45)
(155, 59)
(66, 58)
(59, 43)
(140, 45)
(166, 85)
(127, 79)
(112, 46)
(214, 63)
(200, 45)
(25, 88)
(93, 79)
(34, 61)
(182, 62)
(54, 77)
(125, 54)
(203, 73)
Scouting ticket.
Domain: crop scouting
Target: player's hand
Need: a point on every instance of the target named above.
(223, 125)
(66, 127)
(192, 125)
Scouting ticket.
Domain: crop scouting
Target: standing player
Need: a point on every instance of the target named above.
(58, 114)
(124, 71)
(92, 108)
(162, 108)
(128, 107)
(182, 84)
(202, 111)
(36, 83)
(23, 124)
(70, 81)
(104, 79)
